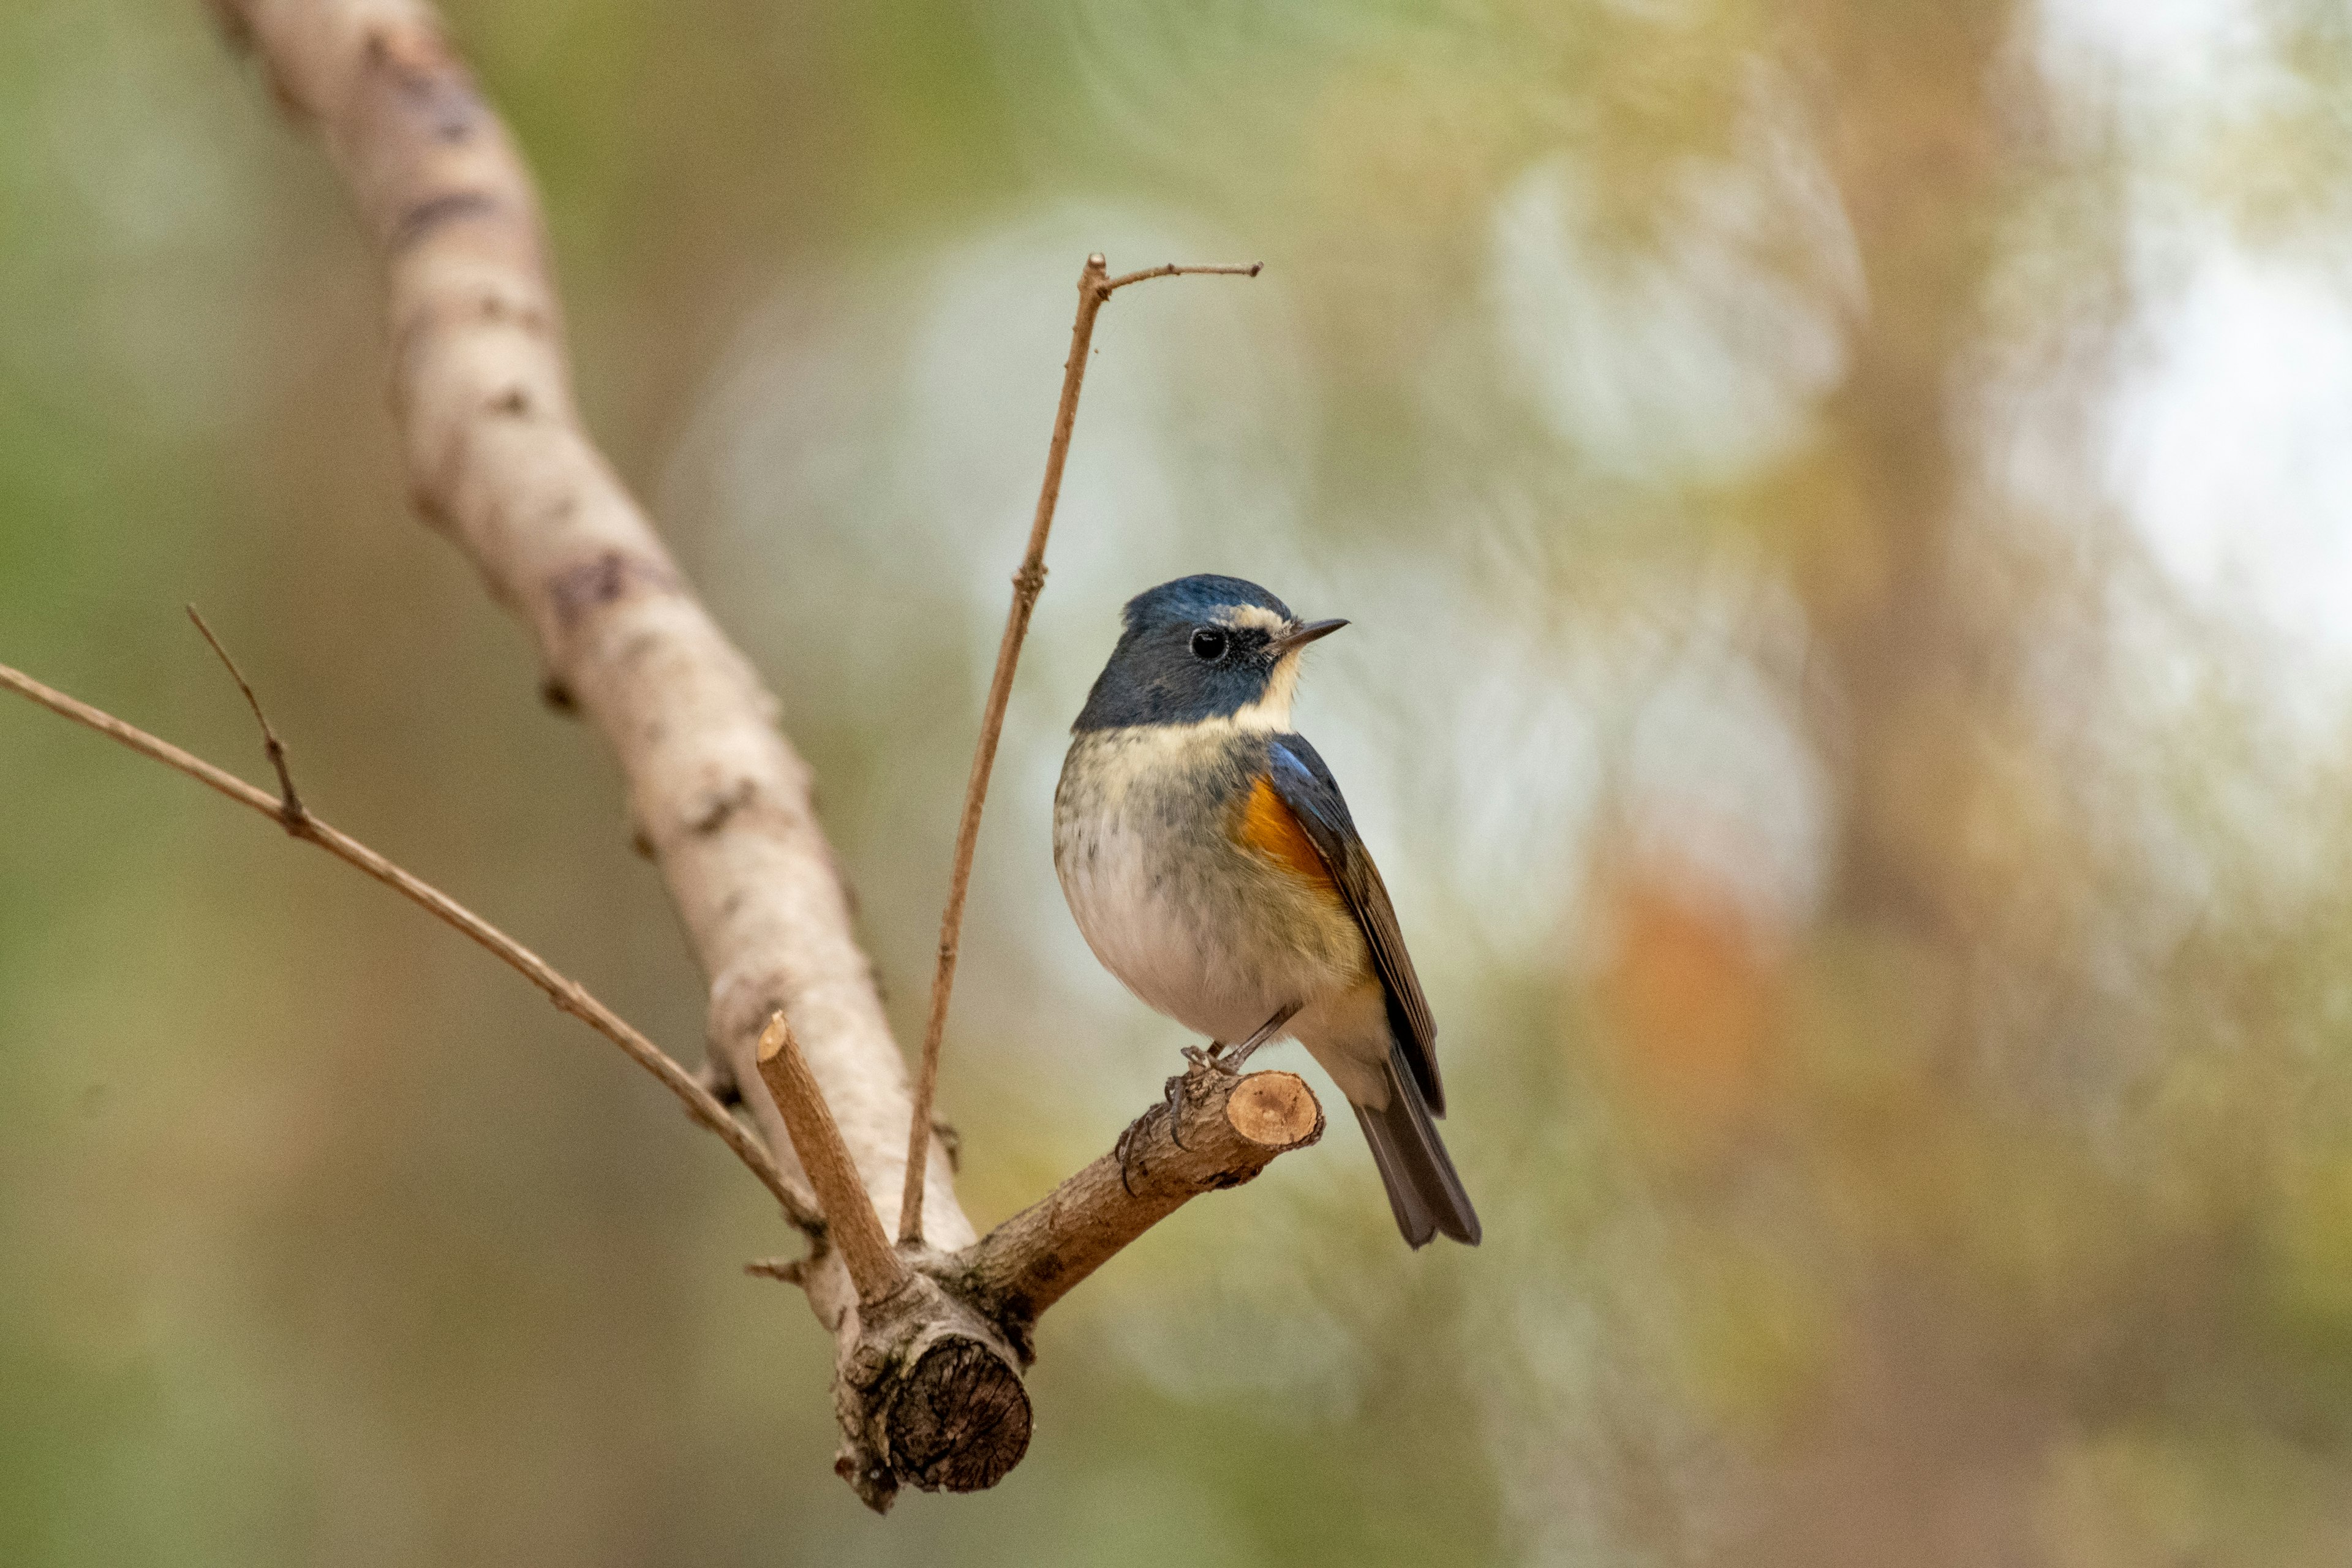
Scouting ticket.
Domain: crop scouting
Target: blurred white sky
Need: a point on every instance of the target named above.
(2229, 434)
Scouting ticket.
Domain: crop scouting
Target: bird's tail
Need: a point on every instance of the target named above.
(1424, 1190)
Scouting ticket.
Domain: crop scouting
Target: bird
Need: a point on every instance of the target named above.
(1210, 861)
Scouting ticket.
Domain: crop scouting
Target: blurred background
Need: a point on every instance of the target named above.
(1846, 508)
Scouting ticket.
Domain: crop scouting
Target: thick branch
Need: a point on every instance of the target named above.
(1230, 1129)
(928, 1388)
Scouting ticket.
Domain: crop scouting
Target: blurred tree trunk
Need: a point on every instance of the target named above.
(1913, 143)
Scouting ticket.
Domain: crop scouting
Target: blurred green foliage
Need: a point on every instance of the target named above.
(1890, 928)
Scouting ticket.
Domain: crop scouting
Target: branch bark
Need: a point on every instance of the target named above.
(1215, 1130)
(874, 1269)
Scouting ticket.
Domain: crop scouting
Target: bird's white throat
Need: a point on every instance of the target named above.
(1271, 711)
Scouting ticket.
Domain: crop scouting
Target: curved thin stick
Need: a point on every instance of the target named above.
(289, 803)
(566, 993)
(1095, 287)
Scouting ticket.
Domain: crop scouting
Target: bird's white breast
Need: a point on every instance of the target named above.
(1198, 927)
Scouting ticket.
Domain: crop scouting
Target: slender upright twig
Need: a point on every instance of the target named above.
(1096, 286)
(567, 993)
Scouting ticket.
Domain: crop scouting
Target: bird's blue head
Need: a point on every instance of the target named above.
(1200, 648)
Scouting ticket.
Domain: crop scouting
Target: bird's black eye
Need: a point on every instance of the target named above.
(1209, 644)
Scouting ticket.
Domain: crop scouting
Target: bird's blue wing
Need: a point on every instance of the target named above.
(1308, 788)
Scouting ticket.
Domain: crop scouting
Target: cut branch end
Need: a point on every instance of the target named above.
(850, 1220)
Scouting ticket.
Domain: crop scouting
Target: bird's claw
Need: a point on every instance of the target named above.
(1213, 1059)
(1123, 1151)
(1173, 1094)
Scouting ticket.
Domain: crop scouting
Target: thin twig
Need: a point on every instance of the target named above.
(567, 993)
(851, 1221)
(289, 804)
(1175, 269)
(1096, 286)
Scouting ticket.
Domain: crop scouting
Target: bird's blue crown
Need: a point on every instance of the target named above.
(1197, 599)
(1197, 648)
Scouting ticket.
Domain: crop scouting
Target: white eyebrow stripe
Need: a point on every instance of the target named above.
(1256, 616)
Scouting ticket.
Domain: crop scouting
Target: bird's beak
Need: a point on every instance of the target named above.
(1297, 636)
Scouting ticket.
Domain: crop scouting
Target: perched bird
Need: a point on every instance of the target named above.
(1212, 865)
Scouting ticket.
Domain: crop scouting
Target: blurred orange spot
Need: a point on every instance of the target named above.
(1692, 1005)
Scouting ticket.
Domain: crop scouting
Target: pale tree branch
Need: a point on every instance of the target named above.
(1094, 289)
(497, 461)
(566, 993)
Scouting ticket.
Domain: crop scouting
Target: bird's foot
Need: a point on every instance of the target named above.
(1213, 1059)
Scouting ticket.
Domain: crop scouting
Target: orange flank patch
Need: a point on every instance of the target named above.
(1269, 827)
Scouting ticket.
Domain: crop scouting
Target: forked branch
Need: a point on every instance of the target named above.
(567, 993)
(931, 1345)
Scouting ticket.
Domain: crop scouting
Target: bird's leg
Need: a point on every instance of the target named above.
(1232, 1060)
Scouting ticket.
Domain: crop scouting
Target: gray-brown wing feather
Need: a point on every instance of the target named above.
(1306, 786)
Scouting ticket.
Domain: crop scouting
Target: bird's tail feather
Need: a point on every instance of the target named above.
(1424, 1190)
